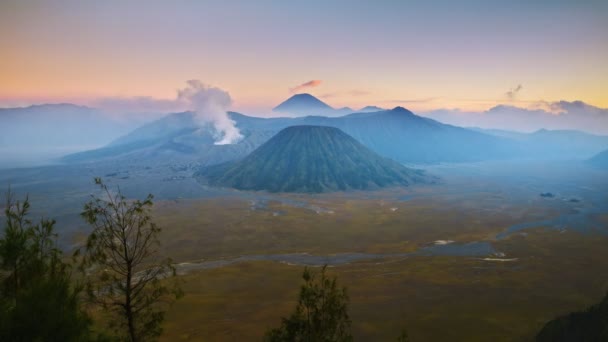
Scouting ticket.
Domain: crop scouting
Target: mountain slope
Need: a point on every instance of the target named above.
(600, 160)
(310, 159)
(555, 144)
(397, 134)
(178, 138)
(405, 137)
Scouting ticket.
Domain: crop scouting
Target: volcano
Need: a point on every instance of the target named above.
(304, 104)
(311, 159)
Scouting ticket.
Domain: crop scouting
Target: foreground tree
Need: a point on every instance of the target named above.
(403, 337)
(588, 325)
(125, 274)
(38, 301)
(320, 315)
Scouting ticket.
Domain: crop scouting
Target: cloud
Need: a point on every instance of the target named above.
(557, 115)
(309, 84)
(210, 105)
(513, 92)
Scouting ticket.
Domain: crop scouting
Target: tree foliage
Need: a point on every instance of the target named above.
(321, 314)
(38, 301)
(588, 325)
(403, 337)
(126, 276)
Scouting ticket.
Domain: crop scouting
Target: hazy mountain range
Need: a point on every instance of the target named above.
(397, 134)
(554, 144)
(558, 115)
(35, 134)
(600, 160)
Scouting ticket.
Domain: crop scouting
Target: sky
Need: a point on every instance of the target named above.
(423, 55)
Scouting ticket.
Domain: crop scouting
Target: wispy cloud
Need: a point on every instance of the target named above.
(568, 115)
(305, 85)
(512, 93)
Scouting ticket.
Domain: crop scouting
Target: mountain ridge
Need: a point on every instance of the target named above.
(397, 133)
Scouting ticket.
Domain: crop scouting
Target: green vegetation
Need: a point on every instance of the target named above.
(588, 325)
(403, 337)
(505, 301)
(320, 315)
(38, 301)
(123, 270)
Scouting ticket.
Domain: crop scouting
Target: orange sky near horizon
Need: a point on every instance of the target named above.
(419, 56)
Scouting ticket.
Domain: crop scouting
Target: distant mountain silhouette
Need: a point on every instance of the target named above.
(308, 105)
(56, 125)
(304, 104)
(370, 109)
(343, 111)
(554, 144)
(37, 134)
(311, 159)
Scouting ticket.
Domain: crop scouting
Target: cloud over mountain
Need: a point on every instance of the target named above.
(305, 85)
(563, 115)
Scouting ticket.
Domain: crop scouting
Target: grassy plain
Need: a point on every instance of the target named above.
(437, 298)
(371, 223)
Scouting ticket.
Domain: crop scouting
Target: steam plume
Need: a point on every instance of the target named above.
(210, 105)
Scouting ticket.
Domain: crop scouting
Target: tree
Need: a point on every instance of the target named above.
(38, 301)
(320, 315)
(15, 246)
(403, 337)
(125, 274)
(588, 325)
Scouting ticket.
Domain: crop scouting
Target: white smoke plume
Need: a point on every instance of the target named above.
(210, 105)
